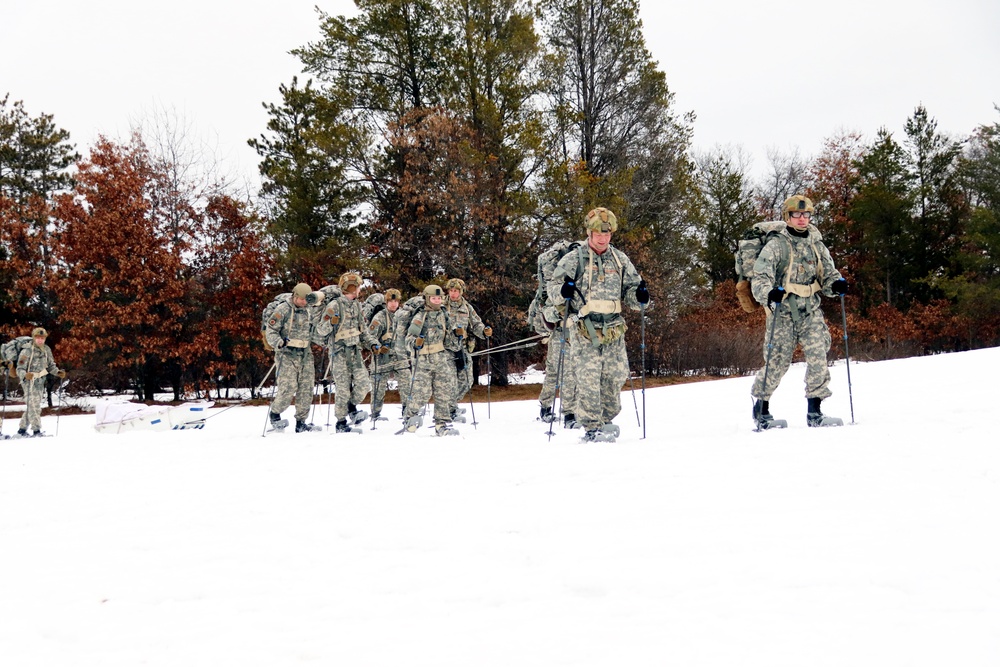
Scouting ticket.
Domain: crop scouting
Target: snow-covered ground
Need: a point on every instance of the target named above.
(703, 544)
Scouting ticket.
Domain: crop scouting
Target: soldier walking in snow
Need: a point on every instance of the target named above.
(343, 328)
(33, 364)
(289, 332)
(598, 279)
(466, 323)
(385, 365)
(790, 273)
(431, 336)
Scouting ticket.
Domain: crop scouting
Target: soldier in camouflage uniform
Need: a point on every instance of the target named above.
(431, 336)
(598, 279)
(33, 364)
(343, 329)
(791, 271)
(289, 331)
(466, 323)
(386, 364)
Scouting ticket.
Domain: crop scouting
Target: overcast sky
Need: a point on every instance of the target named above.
(765, 74)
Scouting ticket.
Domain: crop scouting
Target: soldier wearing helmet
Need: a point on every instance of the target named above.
(289, 331)
(431, 337)
(34, 363)
(467, 323)
(595, 282)
(391, 360)
(345, 335)
(791, 272)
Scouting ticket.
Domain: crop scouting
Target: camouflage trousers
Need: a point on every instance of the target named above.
(33, 391)
(811, 332)
(464, 379)
(350, 377)
(434, 374)
(567, 383)
(296, 379)
(384, 368)
(600, 374)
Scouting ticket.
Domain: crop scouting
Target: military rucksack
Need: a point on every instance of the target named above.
(330, 292)
(371, 307)
(746, 255)
(542, 314)
(11, 350)
(404, 315)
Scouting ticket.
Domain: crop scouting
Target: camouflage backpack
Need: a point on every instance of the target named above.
(371, 307)
(330, 292)
(746, 255)
(542, 315)
(11, 350)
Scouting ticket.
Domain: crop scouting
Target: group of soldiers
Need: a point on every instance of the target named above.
(428, 350)
(428, 353)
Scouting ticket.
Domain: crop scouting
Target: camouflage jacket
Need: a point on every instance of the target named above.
(803, 266)
(435, 327)
(289, 324)
(607, 281)
(343, 325)
(464, 316)
(37, 360)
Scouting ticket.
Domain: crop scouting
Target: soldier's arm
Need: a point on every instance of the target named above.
(630, 282)
(830, 272)
(568, 266)
(329, 320)
(476, 326)
(764, 270)
(51, 362)
(275, 324)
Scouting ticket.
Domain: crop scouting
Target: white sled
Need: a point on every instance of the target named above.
(124, 417)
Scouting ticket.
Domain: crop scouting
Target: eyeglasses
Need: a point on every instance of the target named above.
(801, 214)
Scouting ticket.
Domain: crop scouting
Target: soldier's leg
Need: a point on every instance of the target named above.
(27, 419)
(422, 387)
(613, 378)
(548, 393)
(445, 387)
(306, 383)
(378, 389)
(285, 383)
(781, 356)
(588, 364)
(463, 378)
(361, 382)
(342, 378)
(567, 388)
(815, 342)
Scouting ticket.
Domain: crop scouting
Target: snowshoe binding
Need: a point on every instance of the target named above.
(597, 435)
(277, 423)
(445, 429)
(546, 415)
(377, 417)
(763, 419)
(569, 421)
(816, 418)
(302, 427)
(411, 424)
(343, 426)
(354, 415)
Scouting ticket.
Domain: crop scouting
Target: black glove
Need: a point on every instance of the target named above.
(642, 293)
(459, 362)
(776, 295)
(283, 343)
(839, 286)
(568, 288)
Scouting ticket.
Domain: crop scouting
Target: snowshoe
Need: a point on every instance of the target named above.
(546, 414)
(302, 427)
(597, 435)
(277, 423)
(356, 416)
(22, 433)
(411, 424)
(763, 419)
(459, 410)
(455, 417)
(816, 418)
(342, 426)
(611, 429)
(376, 417)
(569, 421)
(445, 429)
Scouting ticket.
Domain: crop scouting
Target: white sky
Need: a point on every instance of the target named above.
(98, 66)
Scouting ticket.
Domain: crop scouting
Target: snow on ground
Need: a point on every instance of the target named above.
(703, 544)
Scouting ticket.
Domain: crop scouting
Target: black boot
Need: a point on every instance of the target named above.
(23, 432)
(545, 414)
(342, 426)
(277, 423)
(761, 411)
(815, 416)
(569, 421)
(302, 427)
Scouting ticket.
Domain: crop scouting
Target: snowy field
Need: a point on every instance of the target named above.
(704, 544)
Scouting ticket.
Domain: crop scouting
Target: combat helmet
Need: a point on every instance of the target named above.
(455, 283)
(347, 280)
(796, 203)
(600, 219)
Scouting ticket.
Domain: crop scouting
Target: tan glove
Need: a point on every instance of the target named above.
(487, 331)
(11, 371)
(61, 373)
(418, 342)
(29, 376)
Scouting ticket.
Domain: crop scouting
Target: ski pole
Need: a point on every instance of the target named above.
(631, 384)
(6, 386)
(374, 388)
(559, 369)
(516, 344)
(847, 356)
(642, 356)
(489, 379)
(312, 416)
(274, 390)
(59, 397)
(409, 396)
(770, 347)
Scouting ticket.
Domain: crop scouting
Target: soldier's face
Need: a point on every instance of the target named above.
(435, 299)
(39, 340)
(799, 220)
(455, 294)
(599, 241)
(391, 306)
(299, 301)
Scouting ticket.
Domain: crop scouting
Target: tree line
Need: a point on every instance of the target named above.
(461, 138)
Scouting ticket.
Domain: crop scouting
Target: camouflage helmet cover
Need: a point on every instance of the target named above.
(433, 290)
(348, 279)
(39, 331)
(301, 291)
(600, 219)
(393, 294)
(796, 203)
(455, 283)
